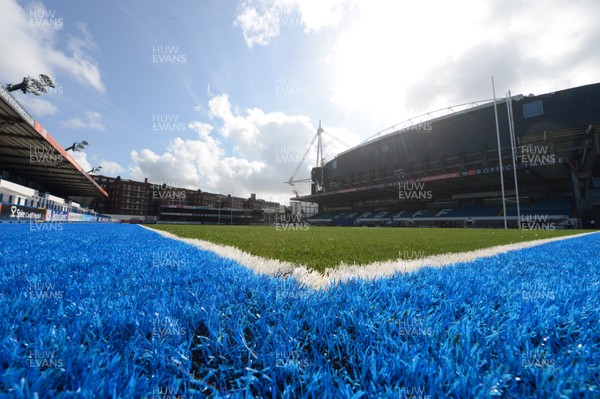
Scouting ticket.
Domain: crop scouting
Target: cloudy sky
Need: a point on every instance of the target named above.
(226, 95)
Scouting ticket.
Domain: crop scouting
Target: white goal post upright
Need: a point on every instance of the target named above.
(499, 155)
(511, 127)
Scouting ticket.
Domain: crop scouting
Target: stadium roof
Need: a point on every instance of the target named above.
(27, 150)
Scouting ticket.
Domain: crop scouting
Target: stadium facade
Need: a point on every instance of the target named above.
(445, 171)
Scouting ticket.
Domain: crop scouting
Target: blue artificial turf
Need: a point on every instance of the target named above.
(118, 311)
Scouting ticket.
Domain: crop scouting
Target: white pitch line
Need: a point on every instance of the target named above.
(345, 272)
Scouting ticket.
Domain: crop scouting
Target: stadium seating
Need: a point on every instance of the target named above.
(374, 218)
(345, 218)
(471, 211)
(465, 215)
(554, 207)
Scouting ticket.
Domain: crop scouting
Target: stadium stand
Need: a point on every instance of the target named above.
(445, 170)
(37, 175)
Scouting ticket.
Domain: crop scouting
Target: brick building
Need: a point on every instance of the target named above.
(135, 198)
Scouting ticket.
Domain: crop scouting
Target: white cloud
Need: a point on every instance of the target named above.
(241, 168)
(79, 63)
(255, 152)
(192, 163)
(258, 27)
(317, 15)
(391, 61)
(92, 120)
(237, 126)
(261, 20)
(110, 168)
(30, 35)
(400, 59)
(38, 107)
(81, 158)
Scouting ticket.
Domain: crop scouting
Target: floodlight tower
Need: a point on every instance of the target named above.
(320, 162)
(95, 169)
(77, 146)
(32, 85)
(320, 156)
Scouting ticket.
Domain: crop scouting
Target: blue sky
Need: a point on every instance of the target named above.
(226, 95)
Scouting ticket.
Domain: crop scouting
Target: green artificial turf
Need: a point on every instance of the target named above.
(325, 247)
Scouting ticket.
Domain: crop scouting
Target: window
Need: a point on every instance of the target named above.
(534, 108)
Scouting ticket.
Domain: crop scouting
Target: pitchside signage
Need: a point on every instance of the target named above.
(57, 216)
(20, 213)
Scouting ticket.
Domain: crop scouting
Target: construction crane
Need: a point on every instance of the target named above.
(320, 162)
